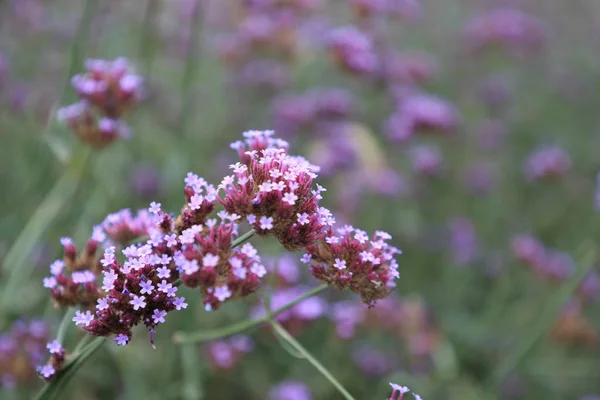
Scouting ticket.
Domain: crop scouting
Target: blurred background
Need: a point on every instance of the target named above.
(467, 129)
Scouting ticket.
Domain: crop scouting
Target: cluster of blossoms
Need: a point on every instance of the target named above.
(353, 50)
(511, 28)
(421, 112)
(72, 280)
(348, 259)
(56, 362)
(547, 162)
(123, 227)
(426, 161)
(107, 91)
(398, 392)
(272, 191)
(267, 27)
(225, 354)
(552, 265)
(312, 110)
(21, 350)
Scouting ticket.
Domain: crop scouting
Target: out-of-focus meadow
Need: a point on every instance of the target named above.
(467, 129)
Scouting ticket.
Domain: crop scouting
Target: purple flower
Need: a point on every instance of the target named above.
(164, 286)
(159, 316)
(222, 293)
(54, 347)
(102, 304)
(121, 339)
(154, 207)
(137, 302)
(180, 303)
(147, 287)
(266, 223)
(50, 282)
(47, 371)
(83, 319)
(163, 272)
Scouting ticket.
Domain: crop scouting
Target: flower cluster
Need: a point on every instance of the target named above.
(56, 362)
(269, 189)
(547, 162)
(21, 350)
(426, 161)
(107, 91)
(553, 265)
(142, 289)
(72, 280)
(421, 112)
(312, 109)
(400, 391)
(353, 50)
(349, 259)
(273, 191)
(507, 27)
(225, 354)
(208, 261)
(267, 27)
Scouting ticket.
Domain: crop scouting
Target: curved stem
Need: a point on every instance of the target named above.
(280, 330)
(64, 326)
(203, 336)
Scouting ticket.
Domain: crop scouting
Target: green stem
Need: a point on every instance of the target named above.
(280, 330)
(54, 388)
(243, 239)
(546, 319)
(203, 336)
(191, 69)
(148, 38)
(64, 325)
(15, 263)
(191, 390)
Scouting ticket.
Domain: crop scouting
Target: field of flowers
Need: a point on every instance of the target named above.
(300, 199)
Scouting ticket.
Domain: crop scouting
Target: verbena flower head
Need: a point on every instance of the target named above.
(107, 91)
(137, 291)
(122, 227)
(352, 50)
(547, 162)
(22, 348)
(421, 112)
(207, 261)
(426, 160)
(273, 191)
(72, 280)
(506, 27)
(348, 259)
